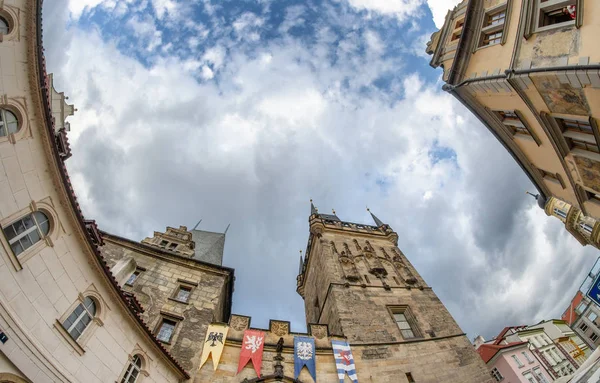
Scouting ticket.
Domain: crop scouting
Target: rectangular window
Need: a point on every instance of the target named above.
(183, 294)
(405, 322)
(593, 197)
(586, 227)
(172, 246)
(527, 357)
(529, 377)
(592, 316)
(496, 374)
(517, 361)
(556, 13)
(552, 177)
(133, 277)
(166, 330)
(540, 375)
(164, 243)
(580, 308)
(578, 133)
(492, 27)
(458, 28)
(594, 337)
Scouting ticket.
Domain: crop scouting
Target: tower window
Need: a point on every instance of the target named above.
(164, 243)
(165, 330)
(172, 246)
(133, 277)
(405, 321)
(183, 294)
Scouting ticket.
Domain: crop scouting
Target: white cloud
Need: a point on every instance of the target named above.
(153, 146)
(396, 8)
(439, 9)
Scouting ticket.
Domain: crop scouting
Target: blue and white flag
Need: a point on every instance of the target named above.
(304, 355)
(344, 360)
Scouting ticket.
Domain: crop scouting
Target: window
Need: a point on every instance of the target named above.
(556, 12)
(594, 337)
(8, 121)
(527, 357)
(496, 374)
(133, 277)
(586, 227)
(529, 377)
(27, 231)
(3, 26)
(578, 133)
(166, 330)
(512, 121)
(593, 197)
(80, 318)
(560, 213)
(583, 327)
(405, 322)
(458, 28)
(492, 27)
(172, 246)
(539, 375)
(516, 359)
(580, 308)
(164, 243)
(183, 294)
(132, 372)
(552, 177)
(592, 316)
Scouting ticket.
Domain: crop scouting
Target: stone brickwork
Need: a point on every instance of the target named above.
(161, 274)
(449, 359)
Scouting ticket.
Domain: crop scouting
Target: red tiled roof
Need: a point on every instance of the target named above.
(91, 233)
(487, 351)
(570, 316)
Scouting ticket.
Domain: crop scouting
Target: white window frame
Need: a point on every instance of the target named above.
(526, 355)
(493, 28)
(35, 228)
(592, 335)
(539, 374)
(134, 367)
(590, 315)
(517, 360)
(560, 213)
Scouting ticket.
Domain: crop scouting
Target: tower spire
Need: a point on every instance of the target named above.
(301, 262)
(313, 209)
(377, 220)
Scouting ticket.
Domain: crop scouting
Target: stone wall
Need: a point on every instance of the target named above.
(161, 275)
(442, 360)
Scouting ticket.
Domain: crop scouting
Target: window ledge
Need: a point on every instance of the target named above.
(566, 24)
(68, 338)
(587, 154)
(178, 301)
(487, 46)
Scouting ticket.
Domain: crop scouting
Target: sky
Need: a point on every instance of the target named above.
(240, 111)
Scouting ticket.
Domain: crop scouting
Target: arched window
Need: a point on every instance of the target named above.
(27, 231)
(3, 26)
(8, 121)
(132, 372)
(80, 318)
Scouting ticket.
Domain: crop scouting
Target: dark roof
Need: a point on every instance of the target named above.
(209, 246)
(62, 170)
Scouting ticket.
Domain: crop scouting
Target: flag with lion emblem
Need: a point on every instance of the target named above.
(252, 349)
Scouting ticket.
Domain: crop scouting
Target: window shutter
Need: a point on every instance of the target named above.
(579, 17)
(529, 6)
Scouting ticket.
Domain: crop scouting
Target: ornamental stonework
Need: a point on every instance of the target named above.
(280, 328)
(239, 323)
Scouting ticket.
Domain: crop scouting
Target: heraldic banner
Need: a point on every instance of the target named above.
(214, 343)
(252, 348)
(344, 360)
(304, 355)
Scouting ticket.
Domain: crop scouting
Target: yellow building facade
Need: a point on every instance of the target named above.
(529, 70)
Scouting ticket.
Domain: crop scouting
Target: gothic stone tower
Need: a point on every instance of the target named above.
(356, 280)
